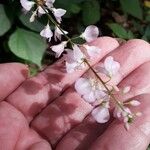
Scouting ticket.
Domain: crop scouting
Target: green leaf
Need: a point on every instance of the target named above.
(132, 7)
(4, 20)
(120, 31)
(27, 45)
(35, 26)
(90, 12)
(146, 35)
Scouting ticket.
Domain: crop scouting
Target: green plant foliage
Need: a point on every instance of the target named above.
(146, 35)
(132, 7)
(120, 31)
(90, 12)
(35, 26)
(5, 23)
(27, 45)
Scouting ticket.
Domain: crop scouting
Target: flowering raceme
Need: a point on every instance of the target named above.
(92, 88)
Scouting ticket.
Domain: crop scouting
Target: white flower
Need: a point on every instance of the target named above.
(90, 33)
(27, 5)
(134, 103)
(49, 3)
(46, 32)
(124, 114)
(75, 60)
(40, 10)
(126, 89)
(101, 114)
(58, 33)
(58, 49)
(92, 51)
(111, 66)
(90, 89)
(58, 13)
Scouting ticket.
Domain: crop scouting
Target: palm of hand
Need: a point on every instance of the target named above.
(46, 111)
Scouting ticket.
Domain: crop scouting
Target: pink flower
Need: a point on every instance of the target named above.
(58, 33)
(90, 89)
(58, 13)
(49, 3)
(101, 114)
(46, 32)
(74, 60)
(58, 49)
(111, 66)
(92, 51)
(27, 5)
(90, 33)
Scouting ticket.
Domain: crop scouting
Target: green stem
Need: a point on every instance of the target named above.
(109, 92)
(57, 25)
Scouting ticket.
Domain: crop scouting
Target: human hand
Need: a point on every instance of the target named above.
(46, 109)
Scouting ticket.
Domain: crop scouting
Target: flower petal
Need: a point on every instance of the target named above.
(71, 67)
(58, 49)
(27, 5)
(58, 13)
(90, 33)
(78, 55)
(92, 51)
(58, 33)
(82, 86)
(101, 114)
(46, 32)
(111, 66)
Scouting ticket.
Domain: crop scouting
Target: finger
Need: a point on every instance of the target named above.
(138, 136)
(35, 93)
(11, 76)
(83, 135)
(70, 97)
(15, 132)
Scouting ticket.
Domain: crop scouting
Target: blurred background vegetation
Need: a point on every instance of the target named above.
(20, 40)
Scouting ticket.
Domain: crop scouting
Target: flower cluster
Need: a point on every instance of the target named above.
(92, 88)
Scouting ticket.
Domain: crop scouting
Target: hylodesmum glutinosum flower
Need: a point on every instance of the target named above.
(59, 49)
(90, 34)
(110, 67)
(90, 89)
(92, 51)
(47, 33)
(101, 113)
(58, 13)
(27, 5)
(123, 113)
(58, 33)
(75, 60)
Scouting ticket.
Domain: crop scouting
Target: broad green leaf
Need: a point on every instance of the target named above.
(120, 31)
(35, 26)
(90, 12)
(132, 7)
(27, 45)
(5, 23)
